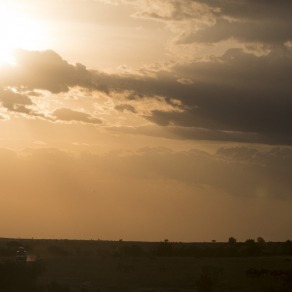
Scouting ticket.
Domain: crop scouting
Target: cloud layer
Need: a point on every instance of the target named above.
(202, 21)
(243, 95)
(65, 114)
(45, 70)
(236, 97)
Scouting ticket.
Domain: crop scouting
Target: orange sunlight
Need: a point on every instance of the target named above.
(18, 30)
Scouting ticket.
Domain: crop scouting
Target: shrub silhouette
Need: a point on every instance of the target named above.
(232, 240)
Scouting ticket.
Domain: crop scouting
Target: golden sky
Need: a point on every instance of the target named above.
(146, 120)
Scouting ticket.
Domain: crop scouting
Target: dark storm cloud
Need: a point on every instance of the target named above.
(213, 21)
(277, 32)
(65, 114)
(236, 97)
(252, 9)
(125, 107)
(45, 70)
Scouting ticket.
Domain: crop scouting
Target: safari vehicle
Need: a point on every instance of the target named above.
(21, 255)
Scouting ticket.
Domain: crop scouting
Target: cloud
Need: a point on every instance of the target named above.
(17, 103)
(14, 101)
(238, 171)
(45, 70)
(238, 96)
(125, 107)
(271, 168)
(68, 115)
(178, 10)
(272, 33)
(203, 21)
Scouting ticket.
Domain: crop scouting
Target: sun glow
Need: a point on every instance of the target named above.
(18, 30)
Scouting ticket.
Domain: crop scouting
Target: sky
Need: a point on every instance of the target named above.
(146, 120)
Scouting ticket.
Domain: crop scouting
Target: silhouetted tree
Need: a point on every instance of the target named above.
(261, 240)
(232, 240)
(232, 247)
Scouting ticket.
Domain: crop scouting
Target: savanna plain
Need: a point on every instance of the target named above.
(97, 265)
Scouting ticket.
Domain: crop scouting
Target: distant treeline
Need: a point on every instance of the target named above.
(165, 248)
(230, 249)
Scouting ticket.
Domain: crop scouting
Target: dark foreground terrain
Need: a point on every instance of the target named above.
(65, 265)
